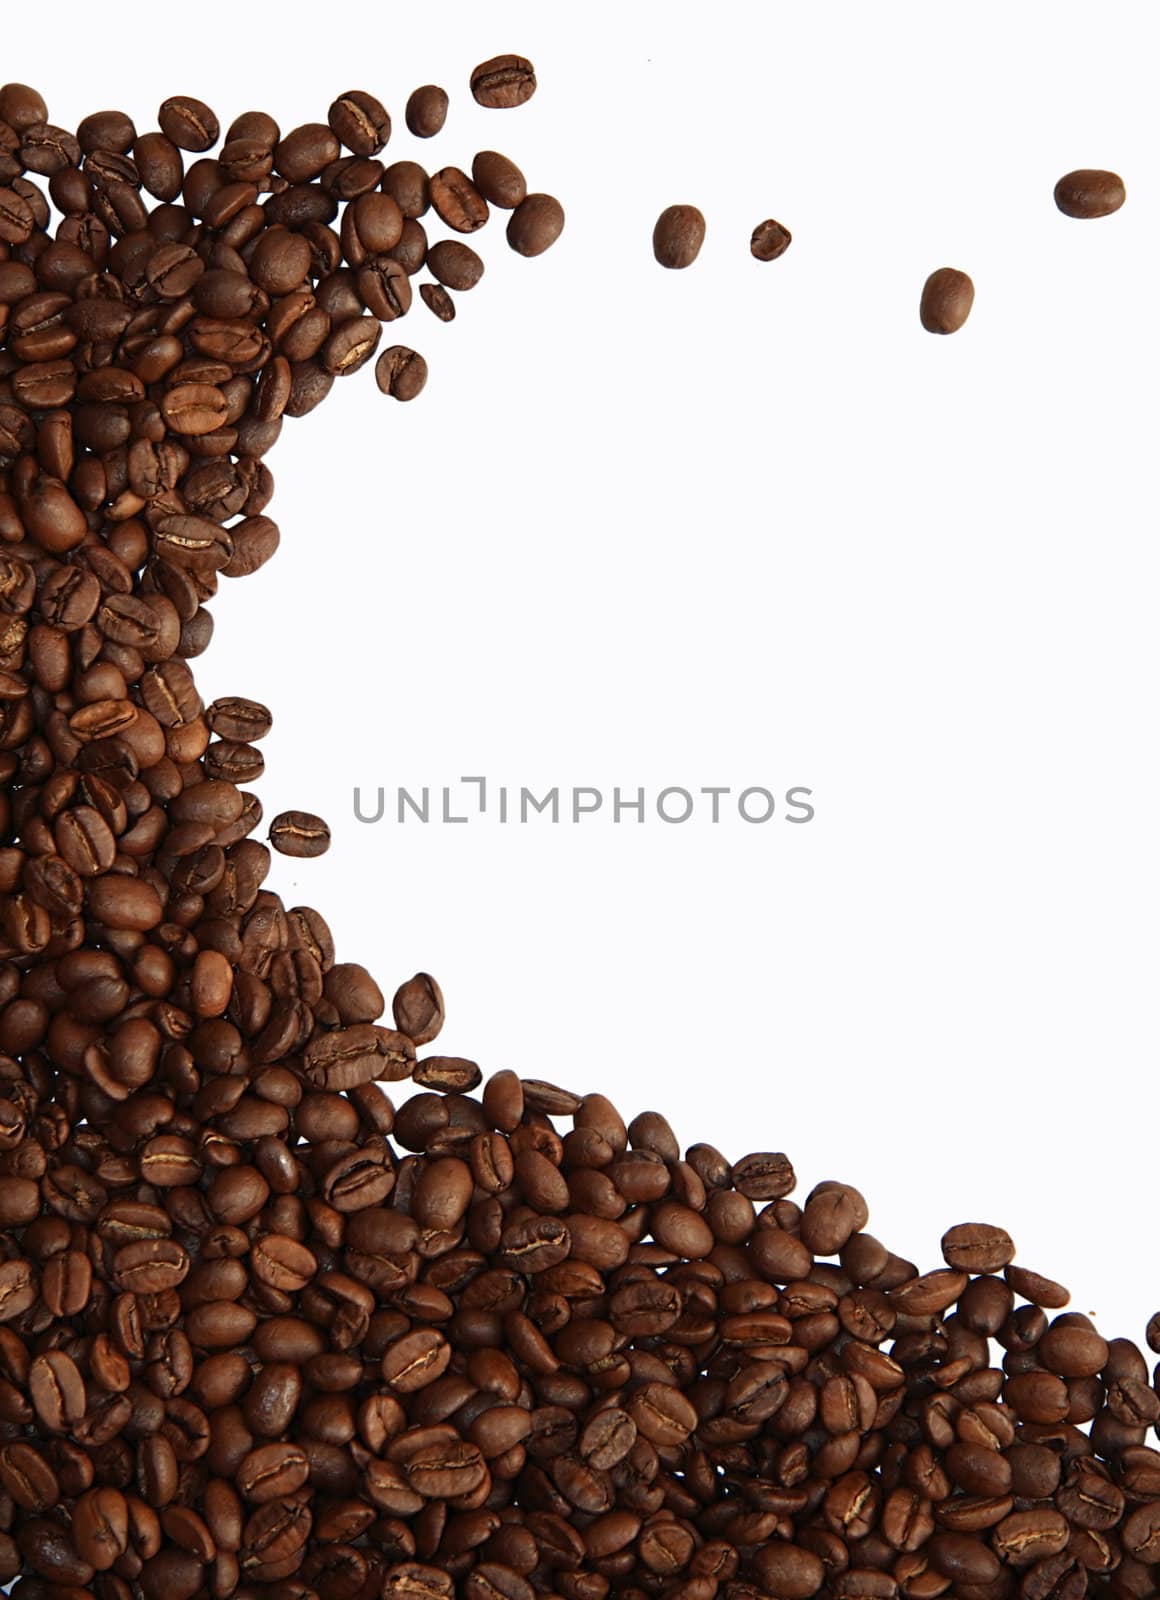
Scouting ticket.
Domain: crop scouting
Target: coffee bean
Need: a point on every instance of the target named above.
(1073, 1352)
(977, 1247)
(409, 186)
(401, 373)
(28, 1477)
(426, 111)
(57, 1391)
(535, 224)
(271, 1472)
(769, 240)
(1032, 1286)
(1089, 193)
(764, 1176)
(445, 1469)
(299, 833)
(947, 298)
(678, 236)
(416, 1360)
(789, 1570)
(498, 180)
(436, 299)
(503, 82)
(457, 201)
(662, 1414)
(456, 265)
(100, 1527)
(188, 123)
(361, 122)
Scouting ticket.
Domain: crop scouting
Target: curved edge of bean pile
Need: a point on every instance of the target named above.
(262, 1333)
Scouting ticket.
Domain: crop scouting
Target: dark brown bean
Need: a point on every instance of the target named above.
(1089, 193)
(947, 298)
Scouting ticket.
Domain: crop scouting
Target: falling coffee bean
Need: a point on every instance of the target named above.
(438, 301)
(401, 372)
(1090, 193)
(503, 82)
(535, 224)
(947, 298)
(299, 833)
(427, 111)
(678, 236)
(769, 240)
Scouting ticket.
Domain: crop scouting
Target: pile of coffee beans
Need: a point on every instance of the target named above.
(263, 1334)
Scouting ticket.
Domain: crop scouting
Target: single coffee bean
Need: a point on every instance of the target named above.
(1072, 1352)
(769, 240)
(535, 224)
(188, 123)
(498, 180)
(271, 1472)
(437, 300)
(503, 82)
(401, 373)
(678, 236)
(977, 1247)
(455, 264)
(426, 111)
(947, 298)
(457, 201)
(299, 833)
(1089, 193)
(361, 122)
(789, 1570)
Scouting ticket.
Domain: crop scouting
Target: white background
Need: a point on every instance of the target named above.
(749, 524)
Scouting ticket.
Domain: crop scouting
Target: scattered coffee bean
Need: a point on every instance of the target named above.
(535, 224)
(1090, 193)
(188, 123)
(678, 236)
(401, 372)
(947, 298)
(498, 180)
(299, 833)
(436, 299)
(503, 82)
(427, 111)
(769, 240)
(456, 265)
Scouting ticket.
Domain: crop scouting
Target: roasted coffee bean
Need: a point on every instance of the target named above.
(678, 236)
(498, 180)
(769, 240)
(456, 265)
(426, 111)
(1071, 1351)
(437, 300)
(947, 298)
(535, 224)
(503, 82)
(189, 123)
(457, 201)
(1032, 1286)
(408, 185)
(299, 833)
(361, 122)
(1089, 193)
(401, 373)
